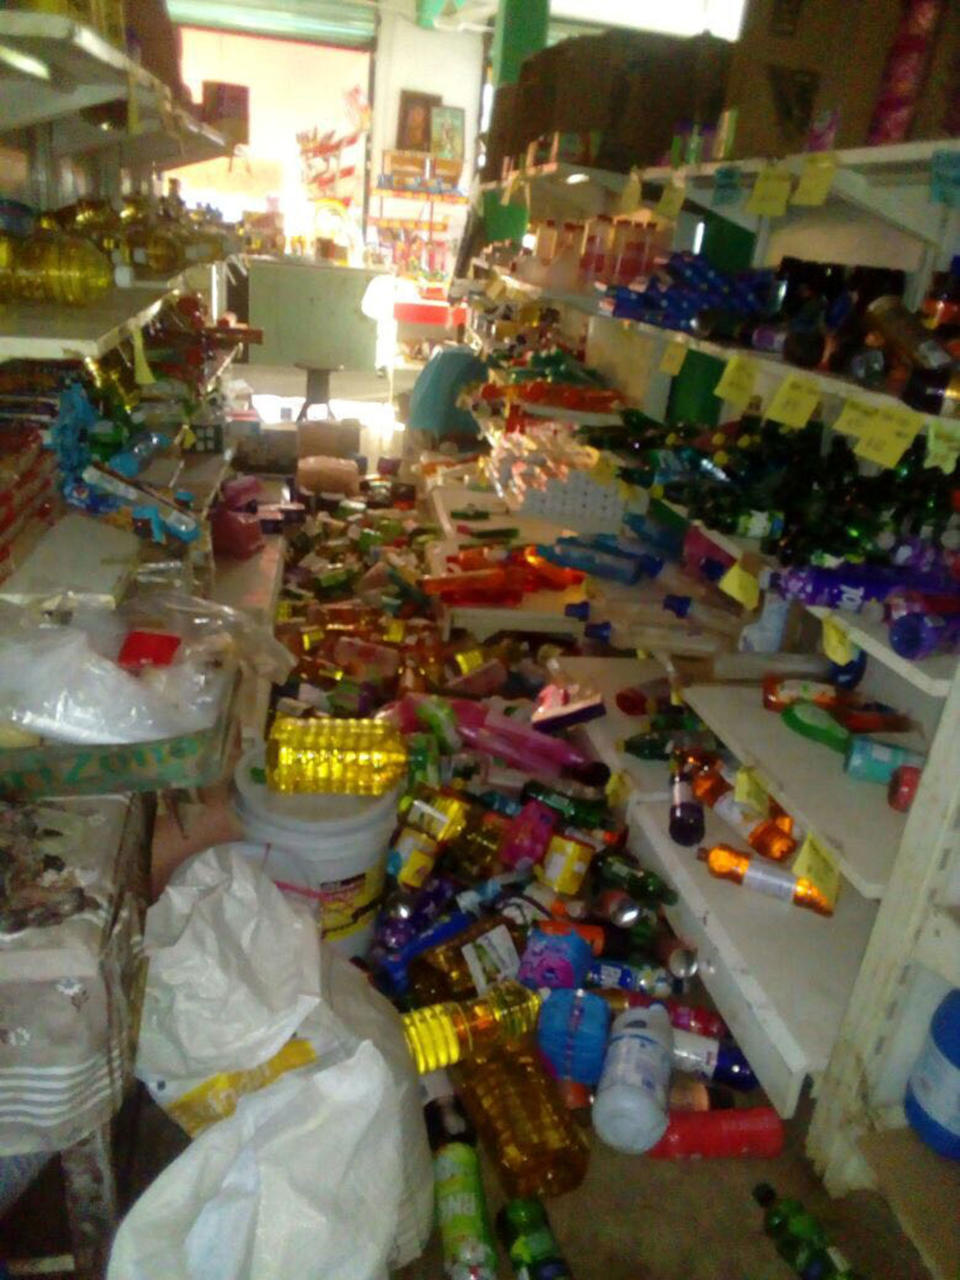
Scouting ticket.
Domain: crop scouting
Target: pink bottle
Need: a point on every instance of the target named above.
(528, 835)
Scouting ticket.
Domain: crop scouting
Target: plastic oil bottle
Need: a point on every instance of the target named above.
(442, 1034)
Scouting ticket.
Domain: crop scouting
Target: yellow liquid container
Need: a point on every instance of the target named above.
(729, 864)
(337, 757)
(441, 1035)
(50, 266)
(438, 814)
(79, 10)
(519, 1113)
(485, 953)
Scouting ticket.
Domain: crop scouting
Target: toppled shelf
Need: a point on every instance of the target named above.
(933, 675)
(781, 976)
(924, 1190)
(48, 331)
(851, 818)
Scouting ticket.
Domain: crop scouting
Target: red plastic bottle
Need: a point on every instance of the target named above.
(744, 1131)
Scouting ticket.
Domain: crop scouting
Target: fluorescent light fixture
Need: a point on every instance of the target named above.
(24, 63)
(680, 17)
(575, 179)
(698, 237)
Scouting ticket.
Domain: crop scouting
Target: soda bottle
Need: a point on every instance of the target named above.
(728, 864)
(534, 1252)
(522, 1120)
(763, 835)
(465, 1236)
(650, 978)
(630, 1109)
(440, 1035)
(742, 1131)
(645, 886)
(711, 1059)
(686, 1017)
(686, 822)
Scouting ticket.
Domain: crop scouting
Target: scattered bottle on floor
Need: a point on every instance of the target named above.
(721, 1133)
(533, 1249)
(630, 1109)
(524, 1124)
(465, 1236)
(440, 1035)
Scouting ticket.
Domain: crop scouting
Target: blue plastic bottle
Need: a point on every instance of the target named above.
(932, 1103)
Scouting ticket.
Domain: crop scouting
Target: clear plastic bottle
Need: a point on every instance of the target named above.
(522, 1120)
(465, 1235)
(630, 1109)
(478, 957)
(441, 1035)
(50, 266)
(596, 261)
(344, 757)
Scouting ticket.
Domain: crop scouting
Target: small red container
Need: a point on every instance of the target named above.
(744, 1131)
(148, 649)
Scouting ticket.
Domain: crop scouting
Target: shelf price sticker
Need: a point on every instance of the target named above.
(617, 790)
(837, 644)
(141, 368)
(495, 289)
(604, 470)
(943, 444)
(794, 402)
(770, 193)
(737, 382)
(671, 201)
(727, 187)
(631, 195)
(854, 417)
(674, 354)
(741, 585)
(748, 790)
(889, 435)
(945, 178)
(817, 864)
(815, 180)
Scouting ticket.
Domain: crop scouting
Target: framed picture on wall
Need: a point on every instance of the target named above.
(446, 133)
(413, 122)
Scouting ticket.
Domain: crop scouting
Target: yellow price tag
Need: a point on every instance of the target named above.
(187, 438)
(604, 470)
(943, 444)
(794, 402)
(888, 436)
(836, 643)
(815, 180)
(133, 105)
(770, 193)
(671, 201)
(631, 194)
(141, 369)
(495, 289)
(737, 382)
(741, 586)
(749, 791)
(817, 864)
(674, 354)
(618, 790)
(853, 417)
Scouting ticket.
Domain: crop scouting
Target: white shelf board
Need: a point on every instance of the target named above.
(649, 779)
(933, 675)
(781, 976)
(252, 585)
(47, 331)
(852, 818)
(938, 947)
(923, 1189)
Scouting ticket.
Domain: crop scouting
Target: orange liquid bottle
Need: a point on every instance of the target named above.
(442, 1034)
(728, 864)
(520, 1115)
(764, 835)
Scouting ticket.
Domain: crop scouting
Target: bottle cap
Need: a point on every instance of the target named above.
(764, 1194)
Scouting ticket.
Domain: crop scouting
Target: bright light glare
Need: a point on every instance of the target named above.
(576, 178)
(24, 63)
(698, 237)
(529, 241)
(680, 17)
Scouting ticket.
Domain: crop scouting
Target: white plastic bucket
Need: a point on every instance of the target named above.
(329, 852)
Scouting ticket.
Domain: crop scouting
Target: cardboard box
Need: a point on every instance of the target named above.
(226, 108)
(667, 81)
(502, 133)
(797, 60)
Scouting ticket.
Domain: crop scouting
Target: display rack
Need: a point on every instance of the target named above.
(47, 331)
(846, 1001)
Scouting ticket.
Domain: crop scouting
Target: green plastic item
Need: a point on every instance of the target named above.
(813, 722)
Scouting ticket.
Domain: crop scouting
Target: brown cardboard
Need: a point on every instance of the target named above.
(798, 58)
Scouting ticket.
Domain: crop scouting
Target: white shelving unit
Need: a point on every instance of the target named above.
(845, 1001)
(46, 331)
